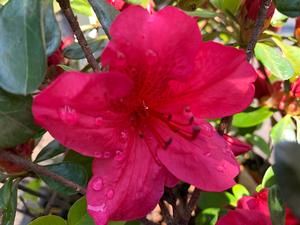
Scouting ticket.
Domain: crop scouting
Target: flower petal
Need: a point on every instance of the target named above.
(224, 83)
(126, 187)
(141, 49)
(74, 109)
(205, 162)
(244, 217)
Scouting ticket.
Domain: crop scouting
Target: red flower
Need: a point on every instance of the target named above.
(252, 7)
(237, 147)
(118, 4)
(253, 210)
(144, 120)
(263, 88)
(295, 92)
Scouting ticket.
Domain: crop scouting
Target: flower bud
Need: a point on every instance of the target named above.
(237, 147)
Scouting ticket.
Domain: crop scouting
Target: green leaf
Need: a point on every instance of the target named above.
(259, 142)
(84, 161)
(49, 151)
(52, 31)
(277, 210)
(228, 5)
(203, 13)
(81, 7)
(239, 191)
(74, 51)
(70, 171)
(292, 53)
(271, 59)
(253, 118)
(290, 8)
(105, 13)
(287, 171)
(284, 130)
(208, 216)
(49, 220)
(278, 19)
(78, 214)
(215, 199)
(16, 121)
(269, 178)
(8, 202)
(23, 59)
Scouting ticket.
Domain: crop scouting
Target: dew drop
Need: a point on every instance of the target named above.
(98, 154)
(119, 155)
(152, 56)
(106, 155)
(120, 55)
(99, 121)
(123, 137)
(68, 115)
(110, 194)
(97, 184)
(98, 208)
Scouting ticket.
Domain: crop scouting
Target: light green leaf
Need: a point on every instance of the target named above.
(253, 118)
(269, 178)
(284, 130)
(49, 220)
(239, 191)
(81, 7)
(274, 61)
(22, 46)
(78, 214)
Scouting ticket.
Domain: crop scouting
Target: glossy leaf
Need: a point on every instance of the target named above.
(23, 59)
(288, 7)
(287, 171)
(284, 130)
(274, 61)
(70, 171)
(239, 191)
(49, 151)
(78, 214)
(49, 220)
(215, 199)
(253, 118)
(105, 13)
(208, 216)
(269, 178)
(16, 121)
(81, 7)
(277, 210)
(202, 13)
(74, 51)
(84, 161)
(259, 142)
(8, 203)
(52, 31)
(278, 19)
(292, 53)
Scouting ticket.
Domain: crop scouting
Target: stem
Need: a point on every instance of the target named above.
(145, 221)
(28, 165)
(165, 213)
(193, 201)
(66, 9)
(265, 5)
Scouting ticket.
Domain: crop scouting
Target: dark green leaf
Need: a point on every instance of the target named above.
(74, 51)
(16, 122)
(284, 130)
(259, 142)
(277, 210)
(288, 7)
(253, 118)
(70, 171)
(84, 161)
(274, 61)
(105, 13)
(51, 150)
(287, 171)
(49, 220)
(23, 59)
(8, 203)
(52, 31)
(215, 199)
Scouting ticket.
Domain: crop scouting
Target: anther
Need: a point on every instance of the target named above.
(167, 143)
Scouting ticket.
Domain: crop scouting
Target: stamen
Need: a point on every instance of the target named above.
(161, 141)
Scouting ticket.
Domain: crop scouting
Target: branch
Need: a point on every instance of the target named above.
(145, 221)
(265, 5)
(165, 213)
(193, 201)
(66, 8)
(30, 166)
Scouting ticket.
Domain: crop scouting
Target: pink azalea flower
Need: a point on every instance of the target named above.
(254, 210)
(118, 4)
(144, 121)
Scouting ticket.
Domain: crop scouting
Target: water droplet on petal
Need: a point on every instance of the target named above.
(99, 121)
(207, 130)
(119, 155)
(120, 55)
(68, 115)
(110, 194)
(106, 155)
(227, 150)
(123, 137)
(98, 154)
(97, 208)
(97, 184)
(207, 154)
(221, 168)
(152, 56)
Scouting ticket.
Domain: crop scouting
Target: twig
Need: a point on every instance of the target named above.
(27, 210)
(66, 9)
(193, 201)
(28, 165)
(50, 203)
(165, 213)
(265, 5)
(32, 192)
